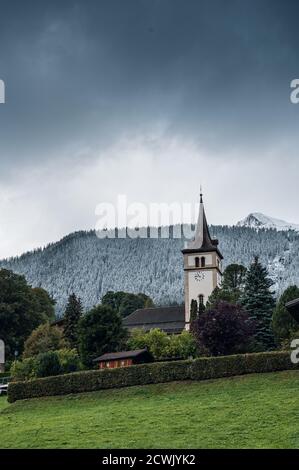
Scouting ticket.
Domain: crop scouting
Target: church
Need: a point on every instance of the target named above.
(202, 263)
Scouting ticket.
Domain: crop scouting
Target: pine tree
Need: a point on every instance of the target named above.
(72, 315)
(258, 300)
(232, 286)
(193, 310)
(201, 307)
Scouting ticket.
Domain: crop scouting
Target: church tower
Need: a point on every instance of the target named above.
(202, 265)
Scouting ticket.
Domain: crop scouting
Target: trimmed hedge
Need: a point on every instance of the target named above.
(143, 374)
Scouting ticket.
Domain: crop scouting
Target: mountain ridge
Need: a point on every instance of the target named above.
(258, 220)
(89, 266)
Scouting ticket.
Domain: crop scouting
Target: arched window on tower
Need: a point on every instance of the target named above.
(197, 262)
(203, 261)
(200, 299)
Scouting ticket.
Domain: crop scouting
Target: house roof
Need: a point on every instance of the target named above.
(166, 318)
(202, 241)
(120, 355)
(293, 308)
(58, 322)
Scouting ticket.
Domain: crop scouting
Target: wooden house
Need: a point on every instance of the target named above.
(123, 359)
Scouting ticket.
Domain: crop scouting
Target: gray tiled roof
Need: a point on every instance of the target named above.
(120, 355)
(170, 319)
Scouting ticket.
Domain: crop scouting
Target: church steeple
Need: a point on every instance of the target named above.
(202, 242)
(202, 265)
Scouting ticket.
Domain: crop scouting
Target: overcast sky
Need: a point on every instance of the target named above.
(146, 98)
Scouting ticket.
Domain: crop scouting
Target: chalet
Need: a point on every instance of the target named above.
(123, 359)
(293, 308)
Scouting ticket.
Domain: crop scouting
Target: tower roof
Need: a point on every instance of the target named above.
(202, 241)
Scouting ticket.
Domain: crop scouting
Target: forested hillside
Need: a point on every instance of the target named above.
(89, 266)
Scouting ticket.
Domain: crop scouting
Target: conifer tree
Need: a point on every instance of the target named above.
(233, 281)
(219, 295)
(201, 307)
(232, 286)
(193, 310)
(72, 315)
(258, 300)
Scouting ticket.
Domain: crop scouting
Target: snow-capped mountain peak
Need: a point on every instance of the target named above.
(257, 220)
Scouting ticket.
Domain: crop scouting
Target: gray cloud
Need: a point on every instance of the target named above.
(83, 76)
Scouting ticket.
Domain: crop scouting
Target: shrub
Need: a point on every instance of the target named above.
(157, 343)
(69, 360)
(138, 339)
(197, 369)
(182, 346)
(46, 364)
(4, 374)
(23, 370)
(162, 346)
(286, 344)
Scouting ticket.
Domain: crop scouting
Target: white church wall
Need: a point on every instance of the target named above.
(203, 287)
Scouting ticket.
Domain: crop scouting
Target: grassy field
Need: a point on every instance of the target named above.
(256, 411)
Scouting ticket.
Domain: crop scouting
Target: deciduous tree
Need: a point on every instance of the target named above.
(100, 331)
(224, 329)
(22, 309)
(43, 339)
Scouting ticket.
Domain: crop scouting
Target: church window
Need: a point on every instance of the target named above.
(197, 262)
(200, 299)
(203, 261)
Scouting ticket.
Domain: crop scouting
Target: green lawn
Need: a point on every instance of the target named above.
(254, 411)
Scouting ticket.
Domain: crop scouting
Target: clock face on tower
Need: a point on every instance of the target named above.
(199, 276)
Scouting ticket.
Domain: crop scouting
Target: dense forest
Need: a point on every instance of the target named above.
(90, 266)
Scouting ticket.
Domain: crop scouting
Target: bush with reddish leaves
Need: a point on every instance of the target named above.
(224, 329)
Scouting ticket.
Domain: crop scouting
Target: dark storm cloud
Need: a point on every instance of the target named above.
(100, 93)
(87, 71)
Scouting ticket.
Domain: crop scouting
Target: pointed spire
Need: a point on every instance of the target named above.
(202, 240)
(200, 196)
